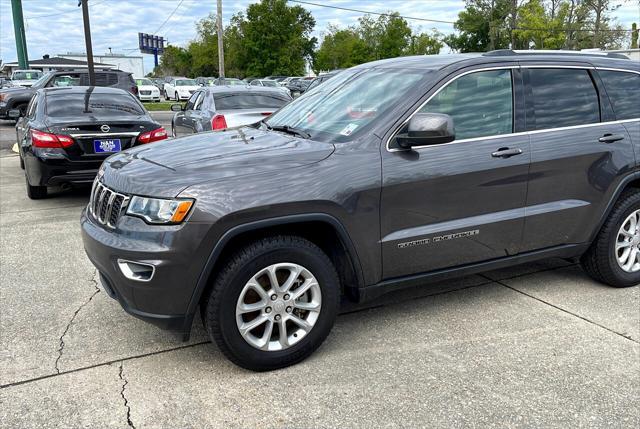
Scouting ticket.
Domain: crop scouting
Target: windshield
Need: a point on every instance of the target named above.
(271, 83)
(27, 75)
(98, 105)
(227, 81)
(142, 82)
(186, 82)
(345, 104)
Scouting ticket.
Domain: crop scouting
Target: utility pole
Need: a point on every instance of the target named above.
(220, 44)
(87, 40)
(18, 28)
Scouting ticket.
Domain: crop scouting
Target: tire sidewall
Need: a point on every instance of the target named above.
(329, 288)
(623, 276)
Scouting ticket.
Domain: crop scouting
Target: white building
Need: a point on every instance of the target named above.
(132, 64)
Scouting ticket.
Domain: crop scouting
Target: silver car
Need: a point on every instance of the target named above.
(221, 107)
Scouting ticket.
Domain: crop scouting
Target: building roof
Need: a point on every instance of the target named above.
(59, 62)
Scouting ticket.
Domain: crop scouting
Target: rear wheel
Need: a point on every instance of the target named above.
(35, 192)
(273, 304)
(614, 256)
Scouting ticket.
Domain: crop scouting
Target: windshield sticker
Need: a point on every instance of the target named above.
(349, 129)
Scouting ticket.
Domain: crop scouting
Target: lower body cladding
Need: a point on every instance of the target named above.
(151, 270)
(59, 170)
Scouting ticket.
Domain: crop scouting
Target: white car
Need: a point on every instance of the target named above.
(25, 77)
(180, 89)
(147, 91)
(270, 83)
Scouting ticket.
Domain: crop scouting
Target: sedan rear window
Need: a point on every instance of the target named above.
(249, 101)
(99, 105)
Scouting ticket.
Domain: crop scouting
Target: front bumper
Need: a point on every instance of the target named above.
(178, 253)
(151, 97)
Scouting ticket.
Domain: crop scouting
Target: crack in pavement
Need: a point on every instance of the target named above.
(126, 401)
(66, 329)
(625, 336)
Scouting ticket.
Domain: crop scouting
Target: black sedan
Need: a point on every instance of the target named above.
(67, 133)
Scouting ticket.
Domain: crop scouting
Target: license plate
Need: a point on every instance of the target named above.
(106, 146)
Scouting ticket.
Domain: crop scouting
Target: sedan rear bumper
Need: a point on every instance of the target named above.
(43, 171)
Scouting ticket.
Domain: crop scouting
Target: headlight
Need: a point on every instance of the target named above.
(159, 211)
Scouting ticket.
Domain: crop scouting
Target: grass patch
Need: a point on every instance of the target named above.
(155, 107)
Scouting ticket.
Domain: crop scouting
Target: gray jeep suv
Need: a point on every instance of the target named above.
(391, 174)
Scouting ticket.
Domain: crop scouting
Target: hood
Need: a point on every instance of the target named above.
(166, 168)
(25, 83)
(147, 88)
(17, 90)
(188, 88)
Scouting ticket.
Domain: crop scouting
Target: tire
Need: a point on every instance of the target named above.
(219, 309)
(36, 192)
(601, 260)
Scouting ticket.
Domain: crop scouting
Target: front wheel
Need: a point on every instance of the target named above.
(614, 256)
(273, 304)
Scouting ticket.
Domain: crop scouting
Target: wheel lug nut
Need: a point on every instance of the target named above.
(286, 296)
(289, 309)
(277, 317)
(267, 310)
(274, 297)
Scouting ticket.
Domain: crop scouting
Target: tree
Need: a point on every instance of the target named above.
(340, 49)
(277, 38)
(175, 61)
(634, 36)
(425, 44)
(481, 26)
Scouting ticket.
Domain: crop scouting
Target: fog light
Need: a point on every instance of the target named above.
(137, 271)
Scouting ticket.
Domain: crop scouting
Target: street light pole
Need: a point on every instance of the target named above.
(87, 40)
(220, 44)
(18, 27)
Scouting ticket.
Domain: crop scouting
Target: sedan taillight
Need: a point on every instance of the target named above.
(218, 122)
(153, 136)
(48, 140)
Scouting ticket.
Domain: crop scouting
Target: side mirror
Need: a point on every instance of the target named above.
(176, 107)
(14, 113)
(426, 129)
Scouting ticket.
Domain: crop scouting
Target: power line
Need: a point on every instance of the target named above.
(369, 12)
(169, 17)
(61, 13)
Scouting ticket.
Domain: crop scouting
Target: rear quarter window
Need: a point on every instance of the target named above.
(249, 101)
(623, 89)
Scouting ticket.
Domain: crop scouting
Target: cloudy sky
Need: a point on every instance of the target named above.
(55, 26)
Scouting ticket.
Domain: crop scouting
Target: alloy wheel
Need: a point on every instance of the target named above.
(627, 248)
(278, 306)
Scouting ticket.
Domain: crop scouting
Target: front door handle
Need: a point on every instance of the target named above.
(610, 138)
(505, 152)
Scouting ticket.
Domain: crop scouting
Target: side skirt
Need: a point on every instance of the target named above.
(374, 291)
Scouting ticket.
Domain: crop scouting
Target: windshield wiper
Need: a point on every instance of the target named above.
(289, 130)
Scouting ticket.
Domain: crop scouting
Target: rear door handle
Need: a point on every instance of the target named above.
(610, 138)
(505, 152)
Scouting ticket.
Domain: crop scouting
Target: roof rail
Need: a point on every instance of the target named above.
(510, 52)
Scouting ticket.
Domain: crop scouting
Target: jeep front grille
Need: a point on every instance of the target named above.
(106, 205)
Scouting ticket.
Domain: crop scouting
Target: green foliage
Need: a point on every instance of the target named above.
(276, 37)
(372, 39)
(540, 24)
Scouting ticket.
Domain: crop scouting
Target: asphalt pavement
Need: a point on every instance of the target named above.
(538, 345)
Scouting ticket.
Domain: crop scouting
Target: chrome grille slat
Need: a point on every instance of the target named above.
(106, 206)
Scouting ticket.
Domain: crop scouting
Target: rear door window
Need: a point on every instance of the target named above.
(71, 79)
(562, 98)
(249, 101)
(623, 89)
(480, 103)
